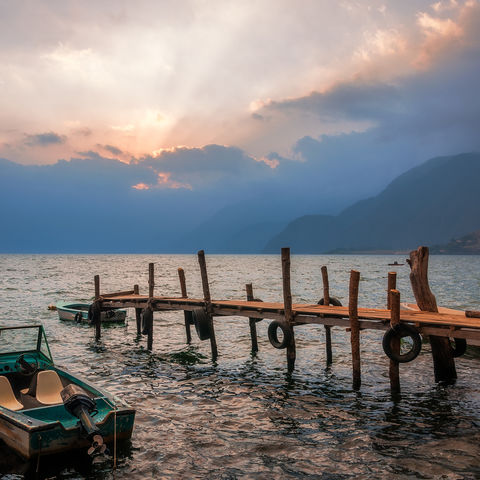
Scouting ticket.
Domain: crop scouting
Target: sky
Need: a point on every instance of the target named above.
(228, 101)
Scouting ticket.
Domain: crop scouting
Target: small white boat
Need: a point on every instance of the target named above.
(78, 312)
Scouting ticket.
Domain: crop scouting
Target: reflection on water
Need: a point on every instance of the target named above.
(244, 416)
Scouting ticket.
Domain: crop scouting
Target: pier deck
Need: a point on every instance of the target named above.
(448, 330)
(446, 323)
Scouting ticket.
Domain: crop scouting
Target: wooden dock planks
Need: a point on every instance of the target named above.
(275, 309)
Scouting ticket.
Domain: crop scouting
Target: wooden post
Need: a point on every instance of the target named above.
(97, 310)
(328, 328)
(208, 302)
(394, 372)
(151, 279)
(354, 328)
(443, 361)
(287, 301)
(138, 312)
(391, 285)
(186, 315)
(252, 321)
(151, 287)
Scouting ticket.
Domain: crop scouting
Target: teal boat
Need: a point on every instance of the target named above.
(78, 312)
(45, 409)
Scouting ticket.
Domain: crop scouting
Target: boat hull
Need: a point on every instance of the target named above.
(79, 313)
(31, 441)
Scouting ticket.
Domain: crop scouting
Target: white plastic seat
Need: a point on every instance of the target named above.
(49, 387)
(7, 397)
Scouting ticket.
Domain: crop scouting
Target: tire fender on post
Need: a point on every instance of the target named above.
(273, 337)
(460, 347)
(333, 301)
(78, 317)
(401, 331)
(147, 320)
(202, 323)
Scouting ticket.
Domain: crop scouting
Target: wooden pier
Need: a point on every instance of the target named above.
(425, 318)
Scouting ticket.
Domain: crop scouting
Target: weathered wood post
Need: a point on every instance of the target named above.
(394, 371)
(149, 316)
(208, 302)
(97, 309)
(287, 302)
(354, 327)
(328, 328)
(443, 361)
(138, 312)
(391, 285)
(252, 321)
(186, 314)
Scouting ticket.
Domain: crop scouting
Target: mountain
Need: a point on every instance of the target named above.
(466, 245)
(429, 204)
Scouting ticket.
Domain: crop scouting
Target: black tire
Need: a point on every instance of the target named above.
(189, 317)
(78, 317)
(202, 323)
(273, 337)
(401, 331)
(333, 301)
(147, 320)
(460, 347)
(109, 314)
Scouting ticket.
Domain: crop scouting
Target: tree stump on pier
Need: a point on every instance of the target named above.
(443, 361)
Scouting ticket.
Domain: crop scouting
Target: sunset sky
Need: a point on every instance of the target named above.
(278, 91)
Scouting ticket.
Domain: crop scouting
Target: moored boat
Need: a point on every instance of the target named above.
(45, 409)
(78, 312)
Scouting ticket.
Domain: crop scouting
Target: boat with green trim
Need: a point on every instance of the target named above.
(45, 409)
(78, 312)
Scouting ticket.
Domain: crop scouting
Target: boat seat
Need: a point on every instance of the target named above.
(49, 387)
(7, 397)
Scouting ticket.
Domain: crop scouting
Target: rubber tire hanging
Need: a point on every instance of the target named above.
(401, 331)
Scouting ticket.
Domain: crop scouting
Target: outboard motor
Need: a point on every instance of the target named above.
(80, 405)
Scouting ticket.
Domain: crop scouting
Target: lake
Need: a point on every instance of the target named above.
(244, 416)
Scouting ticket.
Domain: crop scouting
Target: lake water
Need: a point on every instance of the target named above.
(243, 416)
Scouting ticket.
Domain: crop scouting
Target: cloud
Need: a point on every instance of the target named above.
(44, 139)
(111, 149)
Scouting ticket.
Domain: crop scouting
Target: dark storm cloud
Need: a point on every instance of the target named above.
(111, 148)
(44, 139)
(353, 100)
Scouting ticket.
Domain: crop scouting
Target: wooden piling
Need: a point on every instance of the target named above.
(208, 302)
(252, 321)
(391, 285)
(138, 312)
(151, 288)
(328, 328)
(443, 361)
(287, 305)
(97, 320)
(186, 314)
(354, 327)
(394, 371)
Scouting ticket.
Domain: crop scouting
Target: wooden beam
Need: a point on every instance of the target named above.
(97, 312)
(326, 301)
(151, 279)
(187, 316)
(394, 372)
(287, 305)
(252, 321)
(391, 285)
(208, 302)
(443, 361)
(355, 328)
